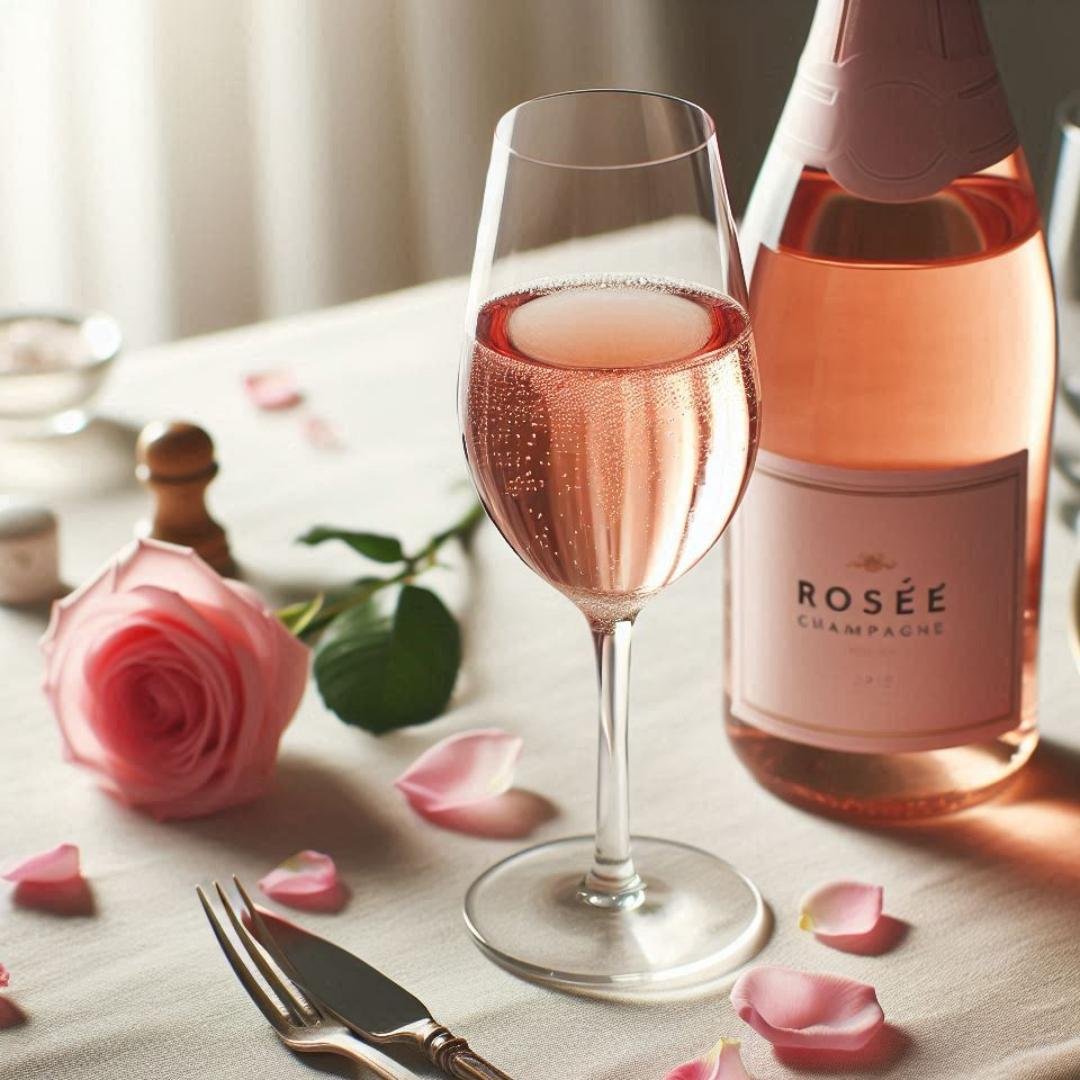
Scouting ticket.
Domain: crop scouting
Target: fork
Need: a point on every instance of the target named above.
(299, 1024)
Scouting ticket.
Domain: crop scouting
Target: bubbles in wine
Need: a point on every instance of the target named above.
(610, 424)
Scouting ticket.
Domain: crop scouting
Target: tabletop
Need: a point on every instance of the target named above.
(985, 983)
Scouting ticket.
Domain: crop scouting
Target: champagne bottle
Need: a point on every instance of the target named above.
(884, 571)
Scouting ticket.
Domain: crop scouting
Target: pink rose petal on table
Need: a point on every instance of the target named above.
(276, 389)
(841, 908)
(510, 816)
(306, 876)
(5, 976)
(722, 1062)
(322, 434)
(57, 866)
(807, 1009)
(886, 936)
(462, 770)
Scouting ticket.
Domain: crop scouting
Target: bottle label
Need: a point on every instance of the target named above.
(879, 611)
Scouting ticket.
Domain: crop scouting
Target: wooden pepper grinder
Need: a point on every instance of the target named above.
(176, 462)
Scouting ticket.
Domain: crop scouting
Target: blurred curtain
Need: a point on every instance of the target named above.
(192, 164)
(195, 164)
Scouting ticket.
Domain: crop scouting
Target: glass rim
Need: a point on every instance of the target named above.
(506, 122)
(100, 332)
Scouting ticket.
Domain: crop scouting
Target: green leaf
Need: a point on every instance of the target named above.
(386, 664)
(383, 549)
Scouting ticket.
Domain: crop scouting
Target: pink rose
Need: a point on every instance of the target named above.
(170, 683)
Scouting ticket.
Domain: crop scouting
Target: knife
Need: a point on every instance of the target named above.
(369, 1002)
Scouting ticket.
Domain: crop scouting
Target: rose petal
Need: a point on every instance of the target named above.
(722, 1062)
(461, 770)
(73, 898)
(322, 434)
(307, 876)
(5, 976)
(510, 816)
(58, 865)
(272, 389)
(841, 908)
(800, 1008)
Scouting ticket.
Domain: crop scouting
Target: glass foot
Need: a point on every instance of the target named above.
(699, 919)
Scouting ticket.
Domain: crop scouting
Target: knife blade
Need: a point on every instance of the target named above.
(372, 1005)
(365, 998)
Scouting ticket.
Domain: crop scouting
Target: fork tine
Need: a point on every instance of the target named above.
(263, 934)
(273, 1011)
(279, 981)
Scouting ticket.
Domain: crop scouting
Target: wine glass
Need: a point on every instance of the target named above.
(608, 402)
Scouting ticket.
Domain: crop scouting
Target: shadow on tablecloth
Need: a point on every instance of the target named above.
(1029, 832)
(311, 805)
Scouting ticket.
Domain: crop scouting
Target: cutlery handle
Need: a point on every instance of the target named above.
(454, 1057)
(372, 1058)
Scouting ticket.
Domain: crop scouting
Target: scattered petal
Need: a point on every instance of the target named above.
(799, 1008)
(722, 1062)
(322, 434)
(510, 816)
(878, 1056)
(889, 934)
(5, 976)
(308, 880)
(69, 898)
(841, 908)
(272, 389)
(59, 865)
(463, 769)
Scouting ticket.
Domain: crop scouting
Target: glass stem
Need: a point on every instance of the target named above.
(613, 882)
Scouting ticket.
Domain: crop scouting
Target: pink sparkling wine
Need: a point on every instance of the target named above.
(610, 425)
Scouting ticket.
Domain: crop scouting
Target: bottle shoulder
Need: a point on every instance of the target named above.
(804, 212)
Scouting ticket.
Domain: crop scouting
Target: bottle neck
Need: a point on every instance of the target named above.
(897, 99)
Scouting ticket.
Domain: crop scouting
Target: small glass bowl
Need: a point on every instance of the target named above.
(51, 366)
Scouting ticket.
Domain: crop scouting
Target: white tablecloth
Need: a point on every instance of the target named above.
(985, 986)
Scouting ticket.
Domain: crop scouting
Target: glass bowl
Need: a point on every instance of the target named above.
(51, 366)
